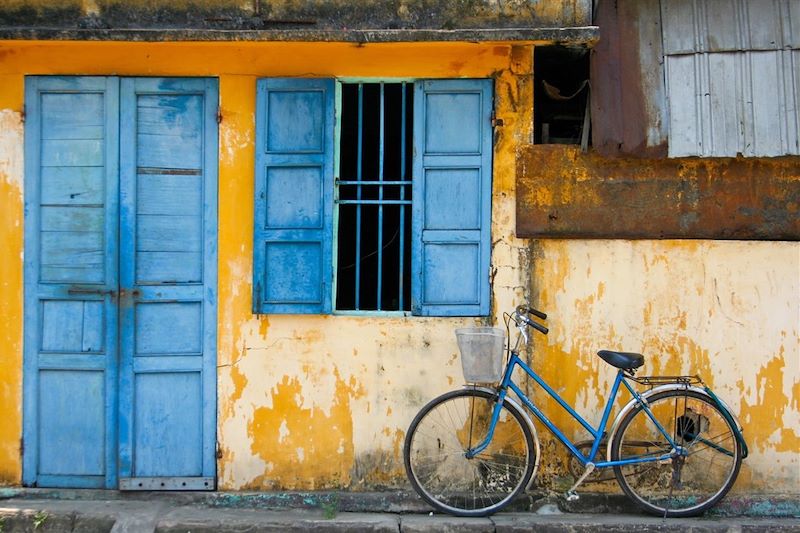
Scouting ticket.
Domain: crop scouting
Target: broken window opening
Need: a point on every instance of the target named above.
(562, 95)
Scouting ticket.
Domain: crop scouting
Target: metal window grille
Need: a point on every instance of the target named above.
(374, 198)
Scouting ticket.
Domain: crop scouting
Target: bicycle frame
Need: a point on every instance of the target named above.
(598, 433)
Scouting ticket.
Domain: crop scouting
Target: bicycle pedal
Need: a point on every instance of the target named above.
(572, 496)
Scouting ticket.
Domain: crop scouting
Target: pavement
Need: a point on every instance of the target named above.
(96, 511)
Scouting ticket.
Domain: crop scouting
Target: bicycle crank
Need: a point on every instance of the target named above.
(576, 469)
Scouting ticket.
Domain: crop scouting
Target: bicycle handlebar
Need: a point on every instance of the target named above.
(522, 310)
(530, 310)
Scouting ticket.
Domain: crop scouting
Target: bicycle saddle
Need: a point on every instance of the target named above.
(623, 360)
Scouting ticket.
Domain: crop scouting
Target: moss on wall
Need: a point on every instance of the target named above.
(324, 14)
(40, 12)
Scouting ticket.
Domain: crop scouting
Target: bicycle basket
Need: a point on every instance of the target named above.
(482, 351)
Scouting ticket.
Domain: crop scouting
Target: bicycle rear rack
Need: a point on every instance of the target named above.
(655, 381)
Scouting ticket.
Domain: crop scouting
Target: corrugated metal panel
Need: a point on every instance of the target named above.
(678, 25)
(692, 26)
(763, 23)
(726, 103)
(791, 32)
(732, 76)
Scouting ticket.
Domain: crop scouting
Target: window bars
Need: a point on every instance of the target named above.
(374, 208)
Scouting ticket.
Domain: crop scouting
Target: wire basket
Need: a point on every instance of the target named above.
(482, 350)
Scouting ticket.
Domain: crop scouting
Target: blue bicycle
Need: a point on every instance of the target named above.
(675, 448)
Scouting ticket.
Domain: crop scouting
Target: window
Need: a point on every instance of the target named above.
(388, 212)
(373, 236)
(561, 98)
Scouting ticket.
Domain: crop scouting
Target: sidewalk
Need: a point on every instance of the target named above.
(33, 511)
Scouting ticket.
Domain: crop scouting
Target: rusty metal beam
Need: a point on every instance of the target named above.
(563, 193)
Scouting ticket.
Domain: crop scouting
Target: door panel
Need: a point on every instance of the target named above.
(76, 420)
(71, 204)
(168, 277)
(175, 400)
(134, 408)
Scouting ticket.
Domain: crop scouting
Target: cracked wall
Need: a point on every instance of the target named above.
(317, 402)
(726, 310)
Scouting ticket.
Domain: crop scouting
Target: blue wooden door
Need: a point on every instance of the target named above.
(120, 283)
(168, 283)
(70, 363)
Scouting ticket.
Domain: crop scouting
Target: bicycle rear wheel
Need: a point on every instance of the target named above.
(435, 454)
(686, 485)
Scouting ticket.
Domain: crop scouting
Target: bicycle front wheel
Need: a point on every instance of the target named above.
(695, 479)
(436, 460)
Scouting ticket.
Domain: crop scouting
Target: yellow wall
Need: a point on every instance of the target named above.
(11, 138)
(323, 401)
(304, 402)
(728, 311)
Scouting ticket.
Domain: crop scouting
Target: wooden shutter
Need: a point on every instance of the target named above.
(292, 258)
(452, 185)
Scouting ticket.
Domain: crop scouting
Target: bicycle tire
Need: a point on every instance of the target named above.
(682, 486)
(435, 460)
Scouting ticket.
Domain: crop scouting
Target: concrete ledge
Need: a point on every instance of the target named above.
(580, 36)
(397, 501)
(33, 516)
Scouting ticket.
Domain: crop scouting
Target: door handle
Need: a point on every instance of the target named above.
(102, 292)
(82, 290)
(132, 292)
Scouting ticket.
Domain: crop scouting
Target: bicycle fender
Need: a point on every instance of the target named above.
(726, 412)
(631, 405)
(515, 405)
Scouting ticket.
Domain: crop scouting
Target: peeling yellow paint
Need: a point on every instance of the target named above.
(11, 266)
(691, 308)
(769, 405)
(278, 433)
(386, 358)
(323, 402)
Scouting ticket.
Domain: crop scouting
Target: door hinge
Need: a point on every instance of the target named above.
(496, 122)
(22, 446)
(23, 114)
(219, 115)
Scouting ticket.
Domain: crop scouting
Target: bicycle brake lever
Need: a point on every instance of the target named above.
(523, 331)
(534, 325)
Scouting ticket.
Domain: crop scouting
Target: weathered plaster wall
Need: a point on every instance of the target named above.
(323, 402)
(728, 311)
(304, 402)
(315, 402)
(11, 157)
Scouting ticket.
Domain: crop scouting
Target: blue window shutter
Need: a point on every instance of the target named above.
(292, 256)
(452, 197)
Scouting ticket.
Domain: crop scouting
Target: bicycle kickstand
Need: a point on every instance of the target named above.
(573, 496)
